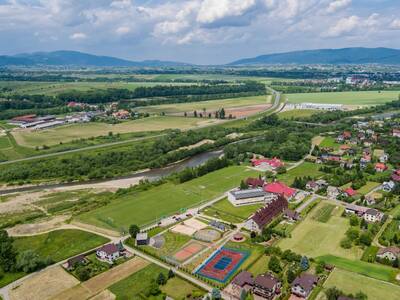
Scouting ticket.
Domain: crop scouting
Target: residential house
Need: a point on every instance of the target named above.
(332, 192)
(388, 186)
(396, 132)
(265, 215)
(243, 281)
(291, 215)
(349, 192)
(355, 209)
(280, 188)
(74, 261)
(384, 158)
(109, 253)
(396, 175)
(391, 253)
(304, 284)
(121, 114)
(373, 215)
(142, 239)
(380, 167)
(370, 199)
(316, 185)
(255, 182)
(266, 286)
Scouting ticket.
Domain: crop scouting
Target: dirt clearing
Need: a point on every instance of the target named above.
(44, 285)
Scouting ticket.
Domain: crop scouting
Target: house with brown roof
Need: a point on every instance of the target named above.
(266, 286)
(291, 215)
(109, 253)
(265, 215)
(304, 284)
(373, 215)
(390, 253)
(74, 261)
(255, 182)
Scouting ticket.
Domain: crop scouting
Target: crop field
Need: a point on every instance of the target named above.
(297, 113)
(314, 238)
(347, 98)
(68, 133)
(145, 207)
(59, 244)
(353, 283)
(324, 213)
(305, 169)
(376, 271)
(209, 106)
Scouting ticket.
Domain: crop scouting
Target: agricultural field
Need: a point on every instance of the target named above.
(350, 282)
(305, 169)
(297, 113)
(72, 132)
(346, 98)
(60, 244)
(149, 206)
(324, 213)
(314, 238)
(225, 210)
(206, 106)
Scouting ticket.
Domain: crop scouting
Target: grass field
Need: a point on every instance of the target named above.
(4, 142)
(145, 207)
(347, 98)
(68, 133)
(314, 238)
(225, 210)
(324, 213)
(173, 242)
(305, 169)
(368, 187)
(59, 244)
(297, 113)
(260, 266)
(375, 271)
(329, 142)
(349, 282)
(210, 106)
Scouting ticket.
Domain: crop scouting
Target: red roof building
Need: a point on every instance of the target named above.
(273, 163)
(255, 182)
(350, 192)
(345, 147)
(278, 187)
(396, 176)
(347, 134)
(380, 167)
(26, 118)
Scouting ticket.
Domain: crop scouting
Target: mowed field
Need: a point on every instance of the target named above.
(210, 106)
(145, 207)
(305, 169)
(68, 133)
(350, 282)
(297, 113)
(347, 98)
(314, 238)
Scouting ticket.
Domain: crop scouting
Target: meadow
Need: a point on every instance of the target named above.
(60, 244)
(314, 238)
(305, 169)
(297, 113)
(329, 142)
(67, 133)
(346, 98)
(353, 283)
(209, 106)
(169, 198)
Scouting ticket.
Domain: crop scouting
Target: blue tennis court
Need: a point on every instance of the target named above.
(223, 263)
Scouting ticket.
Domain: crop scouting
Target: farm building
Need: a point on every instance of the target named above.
(304, 284)
(356, 209)
(265, 215)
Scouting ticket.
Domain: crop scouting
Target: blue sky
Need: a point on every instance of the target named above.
(197, 31)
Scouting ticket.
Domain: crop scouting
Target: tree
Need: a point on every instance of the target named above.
(134, 230)
(281, 170)
(333, 293)
(154, 288)
(222, 113)
(274, 264)
(366, 239)
(83, 273)
(215, 294)
(161, 280)
(243, 185)
(8, 254)
(171, 274)
(319, 268)
(304, 263)
(354, 221)
(291, 275)
(195, 114)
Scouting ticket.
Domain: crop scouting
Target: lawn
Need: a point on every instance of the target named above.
(324, 213)
(4, 142)
(314, 238)
(370, 185)
(375, 271)
(210, 106)
(305, 169)
(60, 244)
(329, 142)
(347, 98)
(177, 288)
(297, 113)
(67, 133)
(225, 210)
(353, 283)
(260, 266)
(147, 207)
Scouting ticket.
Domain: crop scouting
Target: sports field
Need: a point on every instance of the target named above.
(347, 98)
(145, 207)
(209, 106)
(59, 244)
(350, 282)
(314, 238)
(68, 133)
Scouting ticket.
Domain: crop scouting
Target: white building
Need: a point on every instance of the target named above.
(109, 253)
(390, 253)
(319, 106)
(373, 215)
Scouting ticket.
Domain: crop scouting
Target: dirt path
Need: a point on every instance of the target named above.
(21, 202)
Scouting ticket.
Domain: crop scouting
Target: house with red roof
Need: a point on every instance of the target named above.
(346, 135)
(273, 163)
(396, 175)
(380, 167)
(280, 188)
(350, 192)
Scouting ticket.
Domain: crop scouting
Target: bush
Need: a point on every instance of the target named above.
(345, 243)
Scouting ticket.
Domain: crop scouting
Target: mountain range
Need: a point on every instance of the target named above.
(304, 57)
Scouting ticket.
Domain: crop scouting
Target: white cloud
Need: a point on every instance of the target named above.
(78, 36)
(395, 24)
(353, 25)
(123, 30)
(336, 5)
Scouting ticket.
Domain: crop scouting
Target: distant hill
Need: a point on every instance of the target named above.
(327, 56)
(74, 58)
